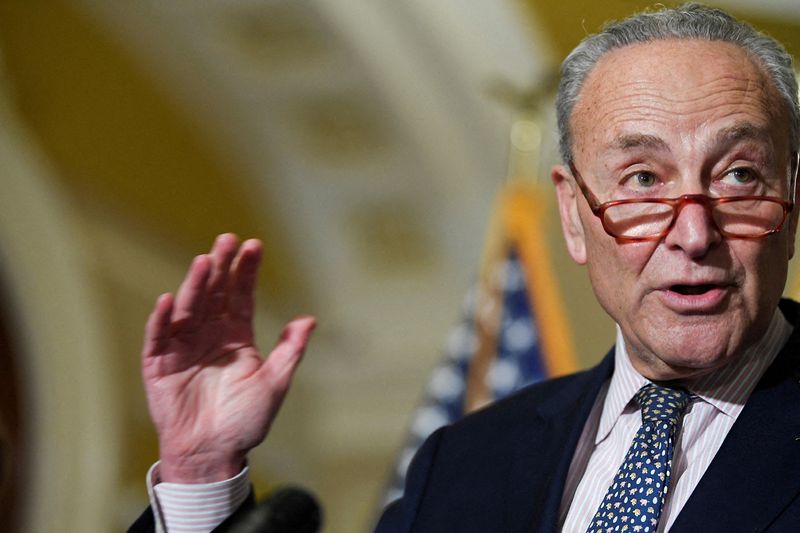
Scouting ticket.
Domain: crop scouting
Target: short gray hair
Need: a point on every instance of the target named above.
(689, 21)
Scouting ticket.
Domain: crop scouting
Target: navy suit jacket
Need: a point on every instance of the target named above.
(503, 469)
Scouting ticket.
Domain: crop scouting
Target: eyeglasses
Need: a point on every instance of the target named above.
(651, 219)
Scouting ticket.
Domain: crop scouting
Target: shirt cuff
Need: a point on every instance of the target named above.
(197, 507)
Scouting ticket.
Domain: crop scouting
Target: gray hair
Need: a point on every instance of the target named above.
(689, 21)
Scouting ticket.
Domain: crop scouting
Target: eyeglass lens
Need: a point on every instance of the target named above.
(736, 217)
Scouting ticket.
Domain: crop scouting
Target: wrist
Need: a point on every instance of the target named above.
(199, 469)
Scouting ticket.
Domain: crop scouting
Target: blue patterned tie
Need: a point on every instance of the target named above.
(634, 500)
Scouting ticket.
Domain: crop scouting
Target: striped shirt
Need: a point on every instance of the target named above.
(718, 399)
(194, 508)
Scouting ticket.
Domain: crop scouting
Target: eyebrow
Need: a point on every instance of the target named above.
(741, 131)
(639, 140)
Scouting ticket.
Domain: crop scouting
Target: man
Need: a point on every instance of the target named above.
(679, 136)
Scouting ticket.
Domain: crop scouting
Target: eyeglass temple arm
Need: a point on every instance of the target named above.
(594, 203)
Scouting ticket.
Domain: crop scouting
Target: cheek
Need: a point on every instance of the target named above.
(617, 272)
(621, 260)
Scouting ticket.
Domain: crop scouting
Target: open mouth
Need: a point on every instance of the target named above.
(693, 290)
(694, 298)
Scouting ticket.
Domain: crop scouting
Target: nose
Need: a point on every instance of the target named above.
(694, 230)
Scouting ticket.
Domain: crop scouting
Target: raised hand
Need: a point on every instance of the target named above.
(211, 395)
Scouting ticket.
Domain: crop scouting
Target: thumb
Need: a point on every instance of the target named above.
(282, 362)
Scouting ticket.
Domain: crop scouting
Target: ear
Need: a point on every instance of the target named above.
(571, 225)
(791, 226)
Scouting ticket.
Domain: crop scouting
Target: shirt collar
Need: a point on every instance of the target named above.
(625, 382)
(727, 390)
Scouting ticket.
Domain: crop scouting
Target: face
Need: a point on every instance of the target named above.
(663, 119)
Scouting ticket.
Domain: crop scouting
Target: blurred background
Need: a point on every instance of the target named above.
(364, 141)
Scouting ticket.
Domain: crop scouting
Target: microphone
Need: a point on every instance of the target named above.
(287, 510)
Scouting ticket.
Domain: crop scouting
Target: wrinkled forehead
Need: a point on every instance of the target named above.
(687, 89)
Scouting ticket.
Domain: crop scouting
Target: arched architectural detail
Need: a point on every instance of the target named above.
(59, 345)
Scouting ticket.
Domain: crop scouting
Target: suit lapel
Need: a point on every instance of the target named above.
(543, 456)
(757, 469)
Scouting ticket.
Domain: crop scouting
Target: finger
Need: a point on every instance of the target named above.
(191, 296)
(222, 255)
(157, 328)
(241, 300)
(281, 364)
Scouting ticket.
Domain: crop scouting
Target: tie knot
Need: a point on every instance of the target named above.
(661, 403)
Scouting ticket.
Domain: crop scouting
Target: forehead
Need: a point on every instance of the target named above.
(683, 88)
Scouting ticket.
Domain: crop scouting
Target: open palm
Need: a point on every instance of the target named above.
(211, 395)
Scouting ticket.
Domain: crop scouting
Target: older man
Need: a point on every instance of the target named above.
(679, 136)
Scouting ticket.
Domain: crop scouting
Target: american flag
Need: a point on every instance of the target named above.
(500, 344)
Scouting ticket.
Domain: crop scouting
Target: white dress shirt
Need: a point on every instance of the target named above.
(194, 508)
(717, 400)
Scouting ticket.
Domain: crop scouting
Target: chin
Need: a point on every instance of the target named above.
(693, 347)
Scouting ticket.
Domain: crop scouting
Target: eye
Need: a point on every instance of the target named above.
(739, 176)
(641, 179)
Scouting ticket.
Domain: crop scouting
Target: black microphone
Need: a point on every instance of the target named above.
(287, 510)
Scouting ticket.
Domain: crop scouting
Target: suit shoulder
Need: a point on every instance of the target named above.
(518, 408)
